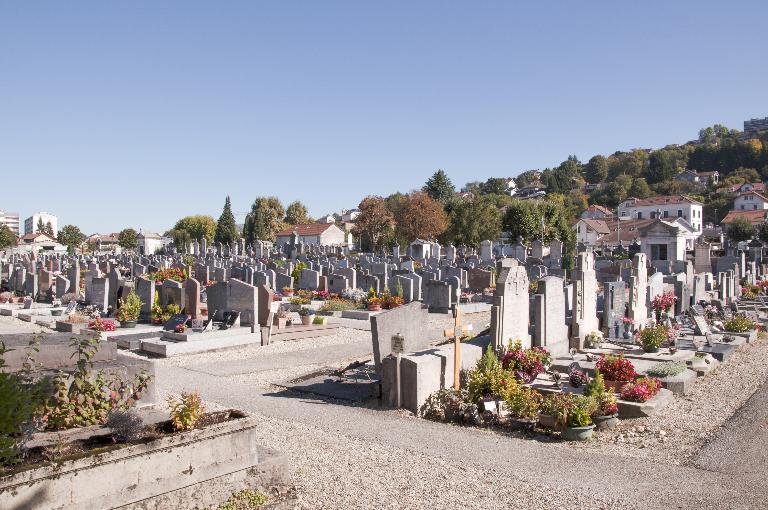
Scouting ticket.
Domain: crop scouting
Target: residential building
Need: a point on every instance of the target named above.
(750, 201)
(665, 207)
(11, 220)
(104, 242)
(39, 242)
(597, 212)
(322, 234)
(511, 187)
(533, 190)
(743, 188)
(30, 224)
(753, 127)
(328, 218)
(756, 217)
(702, 179)
(589, 231)
(350, 216)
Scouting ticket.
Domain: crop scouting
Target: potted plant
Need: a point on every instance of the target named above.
(739, 324)
(605, 416)
(615, 370)
(4, 296)
(306, 315)
(641, 390)
(130, 308)
(374, 304)
(281, 318)
(287, 291)
(523, 404)
(526, 364)
(594, 340)
(652, 337)
(579, 425)
(662, 304)
(547, 410)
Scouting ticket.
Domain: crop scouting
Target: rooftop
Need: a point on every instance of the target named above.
(309, 229)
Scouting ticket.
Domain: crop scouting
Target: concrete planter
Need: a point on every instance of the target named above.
(578, 433)
(144, 473)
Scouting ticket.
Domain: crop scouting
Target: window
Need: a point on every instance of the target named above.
(639, 215)
(658, 252)
(742, 207)
(679, 213)
(666, 214)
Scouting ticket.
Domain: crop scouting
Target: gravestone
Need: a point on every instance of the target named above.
(638, 295)
(614, 309)
(479, 279)
(100, 293)
(172, 292)
(550, 329)
(145, 289)
(510, 310)
(191, 297)
(265, 298)
(410, 321)
(62, 284)
(584, 300)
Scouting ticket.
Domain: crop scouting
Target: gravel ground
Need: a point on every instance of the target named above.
(11, 325)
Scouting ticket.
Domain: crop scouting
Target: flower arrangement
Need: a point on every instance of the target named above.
(606, 400)
(594, 339)
(180, 328)
(577, 377)
(354, 295)
(523, 403)
(99, 324)
(627, 321)
(374, 303)
(667, 369)
(389, 301)
(615, 368)
(176, 274)
(558, 405)
(287, 291)
(652, 337)
(526, 364)
(739, 324)
(641, 390)
(581, 413)
(338, 305)
(663, 302)
(321, 295)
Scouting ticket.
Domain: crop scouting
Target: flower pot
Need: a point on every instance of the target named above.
(608, 422)
(56, 313)
(306, 320)
(650, 350)
(280, 322)
(547, 421)
(287, 293)
(578, 433)
(615, 386)
(374, 308)
(127, 324)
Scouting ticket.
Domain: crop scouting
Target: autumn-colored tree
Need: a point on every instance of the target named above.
(296, 214)
(421, 217)
(374, 219)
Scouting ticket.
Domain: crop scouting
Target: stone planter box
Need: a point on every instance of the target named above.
(68, 327)
(751, 336)
(152, 473)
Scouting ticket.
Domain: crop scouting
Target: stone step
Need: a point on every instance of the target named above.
(300, 332)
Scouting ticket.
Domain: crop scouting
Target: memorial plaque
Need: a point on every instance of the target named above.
(174, 321)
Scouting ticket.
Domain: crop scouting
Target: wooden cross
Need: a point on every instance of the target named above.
(456, 333)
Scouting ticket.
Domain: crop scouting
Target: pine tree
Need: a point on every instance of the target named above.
(440, 187)
(226, 228)
(40, 226)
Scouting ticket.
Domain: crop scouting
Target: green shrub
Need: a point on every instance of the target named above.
(667, 369)
(739, 324)
(338, 305)
(186, 410)
(247, 499)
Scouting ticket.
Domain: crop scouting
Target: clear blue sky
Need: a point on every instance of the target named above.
(116, 114)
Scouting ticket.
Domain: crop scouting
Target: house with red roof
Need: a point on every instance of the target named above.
(321, 234)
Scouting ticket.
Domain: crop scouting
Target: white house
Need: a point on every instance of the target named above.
(666, 208)
(750, 201)
(30, 224)
(321, 234)
(596, 212)
(328, 218)
(511, 187)
(589, 230)
(350, 216)
(39, 243)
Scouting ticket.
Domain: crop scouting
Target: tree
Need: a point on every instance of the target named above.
(763, 232)
(181, 238)
(71, 237)
(439, 187)
(664, 164)
(127, 239)
(296, 214)
(421, 217)
(740, 229)
(640, 189)
(596, 170)
(524, 219)
(49, 230)
(226, 228)
(264, 221)
(197, 227)
(373, 221)
(494, 186)
(7, 238)
(472, 221)
(40, 229)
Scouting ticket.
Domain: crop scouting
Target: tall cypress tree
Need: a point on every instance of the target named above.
(226, 229)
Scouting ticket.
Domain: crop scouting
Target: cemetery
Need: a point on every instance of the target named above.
(108, 355)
